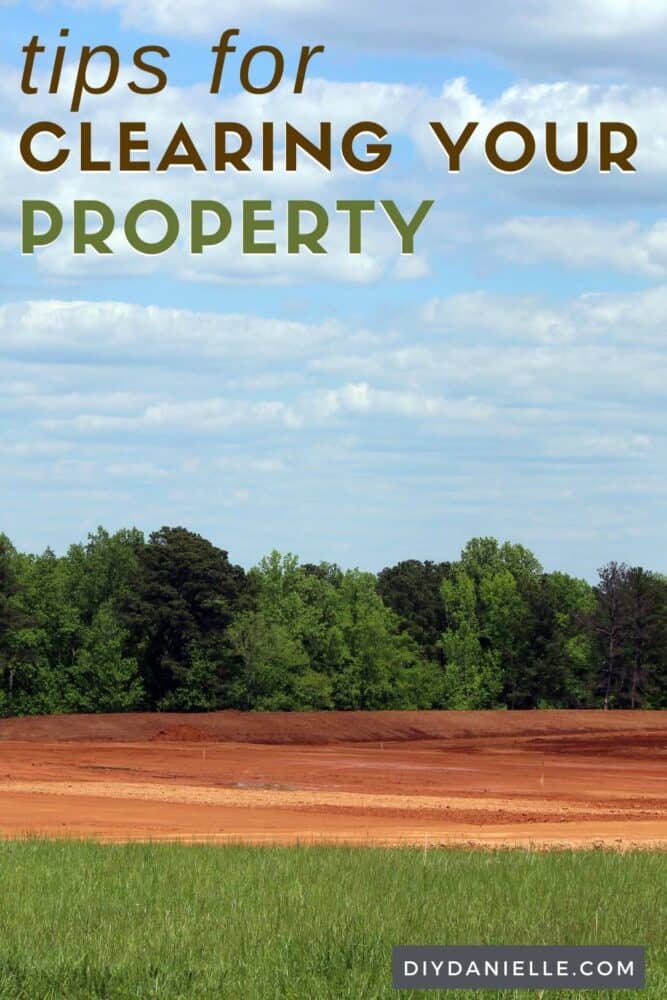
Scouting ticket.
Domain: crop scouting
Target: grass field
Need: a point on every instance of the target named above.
(81, 920)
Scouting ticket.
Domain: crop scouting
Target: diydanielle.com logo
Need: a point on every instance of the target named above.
(519, 967)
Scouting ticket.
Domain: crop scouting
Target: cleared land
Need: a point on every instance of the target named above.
(548, 779)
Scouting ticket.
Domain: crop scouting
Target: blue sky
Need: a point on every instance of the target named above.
(508, 379)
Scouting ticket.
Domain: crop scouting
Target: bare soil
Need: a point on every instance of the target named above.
(545, 779)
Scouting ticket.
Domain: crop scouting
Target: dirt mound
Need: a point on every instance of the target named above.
(180, 734)
(633, 744)
(317, 728)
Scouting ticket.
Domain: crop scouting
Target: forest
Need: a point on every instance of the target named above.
(122, 622)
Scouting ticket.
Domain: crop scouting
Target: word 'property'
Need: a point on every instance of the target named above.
(211, 223)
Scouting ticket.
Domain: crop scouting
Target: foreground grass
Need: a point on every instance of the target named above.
(80, 920)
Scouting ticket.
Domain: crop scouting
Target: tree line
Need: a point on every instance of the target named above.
(124, 623)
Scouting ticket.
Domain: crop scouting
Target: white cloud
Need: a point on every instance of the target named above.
(210, 416)
(120, 331)
(592, 319)
(583, 243)
(582, 33)
(467, 364)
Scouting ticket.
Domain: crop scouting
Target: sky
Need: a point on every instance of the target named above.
(506, 379)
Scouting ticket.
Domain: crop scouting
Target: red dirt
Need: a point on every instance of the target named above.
(547, 779)
(180, 734)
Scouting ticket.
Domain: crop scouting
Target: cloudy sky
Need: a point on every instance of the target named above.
(506, 379)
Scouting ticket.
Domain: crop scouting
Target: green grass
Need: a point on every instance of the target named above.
(80, 920)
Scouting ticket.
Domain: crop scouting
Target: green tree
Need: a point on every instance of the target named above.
(610, 622)
(472, 678)
(102, 570)
(320, 639)
(485, 556)
(272, 662)
(561, 647)
(103, 678)
(412, 590)
(284, 646)
(383, 667)
(505, 615)
(492, 583)
(652, 682)
(12, 623)
(49, 638)
(183, 597)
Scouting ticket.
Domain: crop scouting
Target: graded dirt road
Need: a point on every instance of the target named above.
(547, 779)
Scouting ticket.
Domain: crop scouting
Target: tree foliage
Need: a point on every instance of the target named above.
(412, 590)
(121, 622)
(183, 595)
